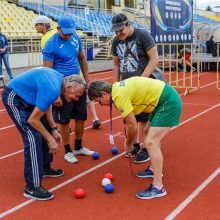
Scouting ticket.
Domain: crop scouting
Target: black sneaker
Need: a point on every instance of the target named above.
(133, 153)
(38, 193)
(50, 172)
(96, 124)
(142, 157)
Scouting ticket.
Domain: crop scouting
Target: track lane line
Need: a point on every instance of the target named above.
(193, 195)
(96, 167)
(193, 90)
(20, 151)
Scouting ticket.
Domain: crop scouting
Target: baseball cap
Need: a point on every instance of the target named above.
(41, 20)
(67, 25)
(118, 22)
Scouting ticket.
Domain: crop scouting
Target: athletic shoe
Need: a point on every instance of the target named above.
(193, 69)
(69, 157)
(96, 124)
(84, 151)
(148, 173)
(50, 172)
(133, 153)
(38, 193)
(152, 192)
(142, 157)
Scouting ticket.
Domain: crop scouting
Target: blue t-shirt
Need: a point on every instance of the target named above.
(63, 54)
(39, 87)
(3, 42)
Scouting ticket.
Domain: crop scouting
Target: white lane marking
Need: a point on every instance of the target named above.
(94, 168)
(17, 152)
(192, 196)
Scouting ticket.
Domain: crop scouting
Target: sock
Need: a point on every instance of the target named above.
(78, 144)
(144, 149)
(158, 187)
(67, 148)
(137, 146)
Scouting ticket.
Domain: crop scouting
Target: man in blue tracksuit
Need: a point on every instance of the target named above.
(27, 99)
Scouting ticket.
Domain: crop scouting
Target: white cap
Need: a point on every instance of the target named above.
(41, 20)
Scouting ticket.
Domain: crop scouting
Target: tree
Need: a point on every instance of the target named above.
(209, 8)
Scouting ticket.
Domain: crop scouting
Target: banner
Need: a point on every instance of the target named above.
(171, 21)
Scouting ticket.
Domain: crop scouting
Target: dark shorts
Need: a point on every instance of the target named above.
(70, 110)
(142, 117)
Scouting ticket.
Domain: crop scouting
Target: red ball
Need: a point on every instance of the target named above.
(109, 176)
(79, 193)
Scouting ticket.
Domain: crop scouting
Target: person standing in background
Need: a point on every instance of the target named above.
(4, 55)
(63, 52)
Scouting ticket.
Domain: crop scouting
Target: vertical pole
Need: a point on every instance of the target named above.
(42, 6)
(64, 5)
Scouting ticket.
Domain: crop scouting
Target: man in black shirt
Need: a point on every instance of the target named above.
(134, 54)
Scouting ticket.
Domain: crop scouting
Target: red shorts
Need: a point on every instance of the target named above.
(187, 56)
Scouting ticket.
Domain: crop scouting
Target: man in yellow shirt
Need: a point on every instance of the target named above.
(42, 25)
(132, 97)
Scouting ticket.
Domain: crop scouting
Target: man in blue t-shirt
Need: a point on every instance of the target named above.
(63, 52)
(27, 99)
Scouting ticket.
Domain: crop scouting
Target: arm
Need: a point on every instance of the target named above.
(34, 121)
(2, 50)
(153, 62)
(84, 66)
(55, 133)
(132, 129)
(116, 67)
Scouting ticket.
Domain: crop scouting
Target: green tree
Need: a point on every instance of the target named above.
(209, 8)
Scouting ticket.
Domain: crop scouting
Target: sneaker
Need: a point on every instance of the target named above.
(50, 172)
(142, 157)
(38, 193)
(96, 124)
(193, 69)
(69, 157)
(152, 192)
(84, 151)
(133, 153)
(148, 173)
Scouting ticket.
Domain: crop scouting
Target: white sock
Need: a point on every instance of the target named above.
(158, 187)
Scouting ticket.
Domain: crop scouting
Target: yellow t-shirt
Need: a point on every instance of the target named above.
(47, 36)
(137, 94)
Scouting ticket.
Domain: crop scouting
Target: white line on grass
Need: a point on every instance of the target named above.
(94, 168)
(195, 193)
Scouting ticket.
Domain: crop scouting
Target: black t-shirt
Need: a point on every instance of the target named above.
(132, 52)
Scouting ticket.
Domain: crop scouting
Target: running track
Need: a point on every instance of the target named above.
(191, 169)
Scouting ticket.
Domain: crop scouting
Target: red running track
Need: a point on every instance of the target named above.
(191, 169)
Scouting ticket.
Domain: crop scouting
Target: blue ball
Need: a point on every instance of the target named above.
(109, 188)
(95, 155)
(114, 150)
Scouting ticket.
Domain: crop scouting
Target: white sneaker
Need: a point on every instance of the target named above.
(193, 69)
(69, 157)
(84, 151)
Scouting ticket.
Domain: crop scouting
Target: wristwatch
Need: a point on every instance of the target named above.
(53, 129)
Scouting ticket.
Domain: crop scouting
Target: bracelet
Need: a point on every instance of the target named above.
(53, 129)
